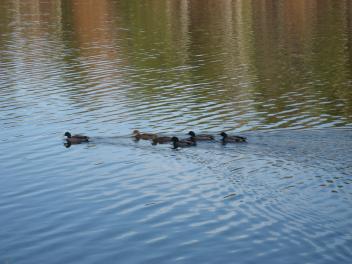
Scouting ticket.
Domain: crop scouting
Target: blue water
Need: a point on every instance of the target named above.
(104, 69)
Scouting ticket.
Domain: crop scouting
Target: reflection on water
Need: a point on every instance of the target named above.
(242, 65)
(107, 67)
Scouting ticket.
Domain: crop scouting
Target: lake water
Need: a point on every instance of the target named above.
(278, 72)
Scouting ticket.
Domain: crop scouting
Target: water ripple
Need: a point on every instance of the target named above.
(286, 193)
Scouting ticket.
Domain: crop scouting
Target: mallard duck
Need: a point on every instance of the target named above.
(232, 139)
(183, 143)
(161, 140)
(200, 137)
(145, 136)
(76, 139)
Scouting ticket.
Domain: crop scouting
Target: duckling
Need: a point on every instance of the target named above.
(183, 143)
(200, 137)
(160, 140)
(145, 136)
(76, 139)
(232, 139)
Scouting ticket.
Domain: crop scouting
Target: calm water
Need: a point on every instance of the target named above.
(278, 72)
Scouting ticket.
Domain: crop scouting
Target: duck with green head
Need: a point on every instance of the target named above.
(75, 139)
(200, 137)
(183, 143)
(232, 139)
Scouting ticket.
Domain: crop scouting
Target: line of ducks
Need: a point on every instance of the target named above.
(156, 139)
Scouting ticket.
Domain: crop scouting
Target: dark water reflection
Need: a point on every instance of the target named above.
(278, 72)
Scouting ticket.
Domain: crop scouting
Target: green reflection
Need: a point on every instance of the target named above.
(255, 63)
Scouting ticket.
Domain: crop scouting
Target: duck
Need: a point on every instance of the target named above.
(232, 139)
(146, 136)
(183, 143)
(200, 137)
(160, 140)
(75, 139)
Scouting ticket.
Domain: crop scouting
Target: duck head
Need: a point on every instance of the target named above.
(175, 139)
(68, 134)
(191, 133)
(223, 134)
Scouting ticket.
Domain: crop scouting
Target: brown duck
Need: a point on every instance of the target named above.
(146, 136)
(161, 140)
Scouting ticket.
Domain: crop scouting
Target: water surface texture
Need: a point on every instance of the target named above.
(278, 72)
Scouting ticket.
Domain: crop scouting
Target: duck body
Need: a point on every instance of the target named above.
(161, 140)
(183, 143)
(232, 139)
(76, 139)
(145, 136)
(200, 137)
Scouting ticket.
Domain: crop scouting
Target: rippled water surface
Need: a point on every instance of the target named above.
(278, 72)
